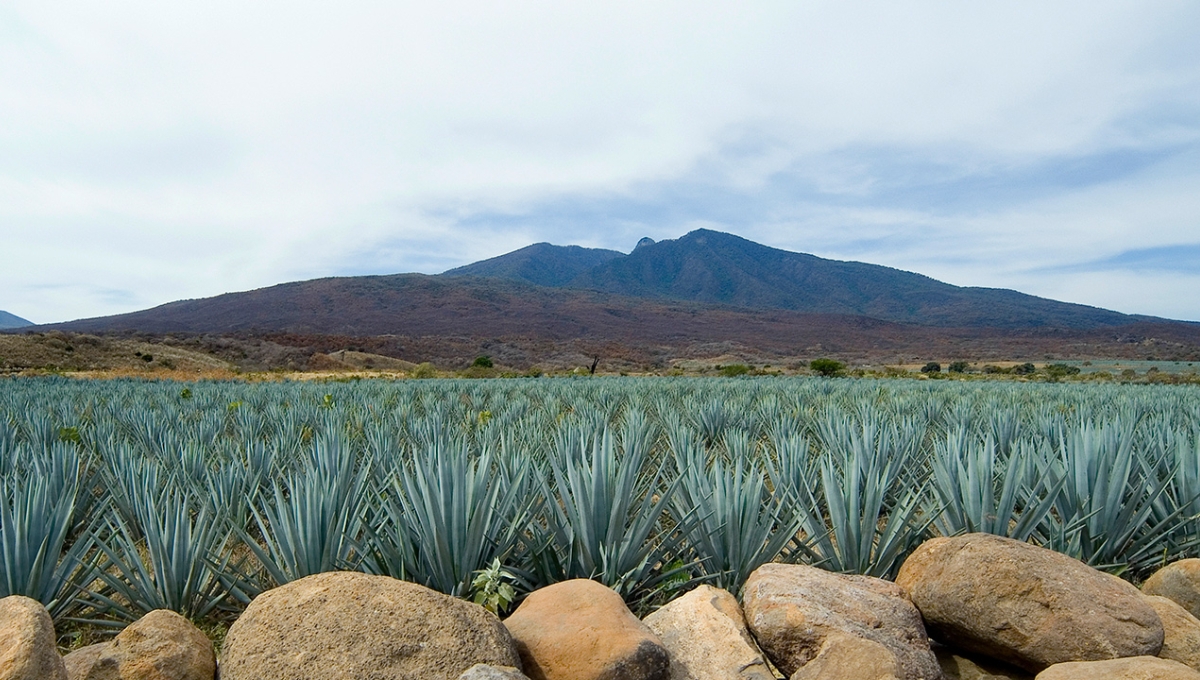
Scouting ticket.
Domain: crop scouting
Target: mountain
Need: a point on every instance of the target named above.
(8, 321)
(717, 268)
(541, 264)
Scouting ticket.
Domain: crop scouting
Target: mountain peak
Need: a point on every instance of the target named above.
(8, 321)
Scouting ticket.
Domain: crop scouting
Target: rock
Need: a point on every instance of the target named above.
(811, 623)
(27, 642)
(351, 625)
(706, 635)
(581, 630)
(1129, 668)
(79, 662)
(1181, 632)
(482, 671)
(162, 645)
(1178, 581)
(958, 666)
(1026, 605)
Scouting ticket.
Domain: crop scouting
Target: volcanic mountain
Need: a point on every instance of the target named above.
(704, 287)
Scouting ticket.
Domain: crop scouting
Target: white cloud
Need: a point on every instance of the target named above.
(154, 151)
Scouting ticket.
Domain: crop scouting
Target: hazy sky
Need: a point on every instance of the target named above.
(153, 151)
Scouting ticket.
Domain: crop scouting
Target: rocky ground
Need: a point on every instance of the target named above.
(972, 607)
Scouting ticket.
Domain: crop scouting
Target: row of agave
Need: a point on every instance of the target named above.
(120, 497)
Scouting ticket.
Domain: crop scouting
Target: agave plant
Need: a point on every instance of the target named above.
(736, 524)
(40, 557)
(448, 513)
(603, 518)
(174, 560)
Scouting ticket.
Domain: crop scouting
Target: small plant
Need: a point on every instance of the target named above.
(826, 367)
(491, 590)
(483, 361)
(186, 393)
(734, 370)
(931, 367)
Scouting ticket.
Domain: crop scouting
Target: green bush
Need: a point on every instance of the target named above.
(483, 361)
(958, 367)
(1024, 369)
(826, 367)
(1057, 371)
(932, 367)
(734, 370)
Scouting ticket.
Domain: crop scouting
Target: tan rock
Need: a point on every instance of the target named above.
(79, 662)
(482, 671)
(1026, 605)
(581, 630)
(27, 642)
(1129, 668)
(162, 645)
(706, 635)
(803, 616)
(1178, 581)
(958, 666)
(345, 625)
(1181, 632)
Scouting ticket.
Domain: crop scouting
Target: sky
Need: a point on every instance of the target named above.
(154, 151)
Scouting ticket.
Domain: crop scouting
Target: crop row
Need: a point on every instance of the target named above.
(119, 497)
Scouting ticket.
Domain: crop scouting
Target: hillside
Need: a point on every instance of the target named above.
(717, 268)
(12, 321)
(541, 264)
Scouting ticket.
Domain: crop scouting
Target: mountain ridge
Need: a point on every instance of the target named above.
(10, 321)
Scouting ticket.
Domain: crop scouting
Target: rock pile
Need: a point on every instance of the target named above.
(996, 609)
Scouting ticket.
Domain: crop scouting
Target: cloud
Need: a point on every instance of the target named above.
(179, 151)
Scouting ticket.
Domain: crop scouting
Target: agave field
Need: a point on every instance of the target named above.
(120, 497)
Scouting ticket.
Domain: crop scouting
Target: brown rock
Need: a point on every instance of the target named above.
(1025, 605)
(581, 630)
(1178, 581)
(350, 625)
(1181, 632)
(162, 645)
(79, 662)
(958, 666)
(706, 635)
(27, 642)
(811, 622)
(1129, 668)
(482, 671)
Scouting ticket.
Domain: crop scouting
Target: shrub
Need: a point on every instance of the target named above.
(1024, 369)
(932, 367)
(1057, 371)
(734, 370)
(826, 367)
(958, 367)
(483, 361)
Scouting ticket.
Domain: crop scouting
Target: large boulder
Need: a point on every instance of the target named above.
(162, 645)
(1178, 581)
(706, 635)
(79, 662)
(27, 642)
(1025, 605)
(1181, 632)
(1128, 668)
(817, 624)
(352, 625)
(581, 630)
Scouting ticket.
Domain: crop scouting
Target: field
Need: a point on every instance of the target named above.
(123, 496)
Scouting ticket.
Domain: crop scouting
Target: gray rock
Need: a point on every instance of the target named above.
(482, 671)
(815, 624)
